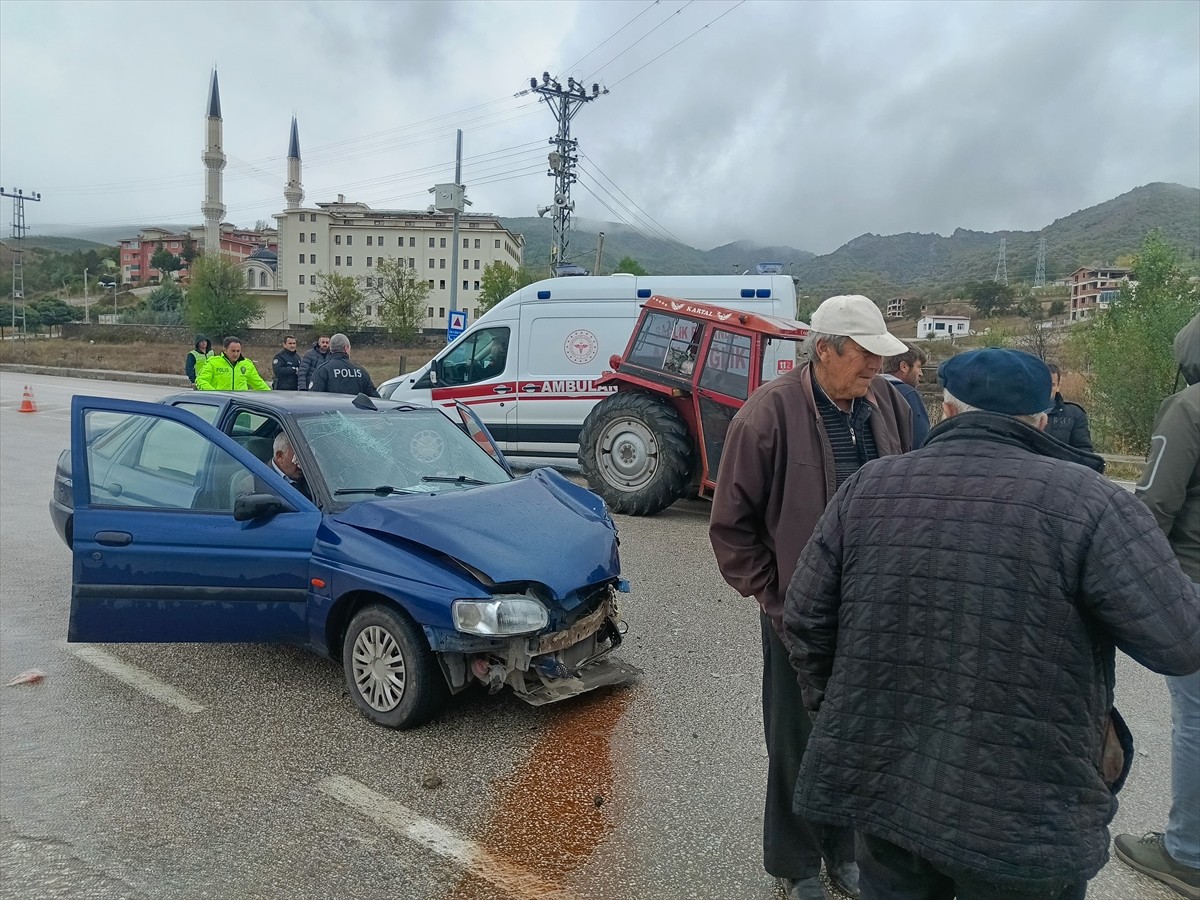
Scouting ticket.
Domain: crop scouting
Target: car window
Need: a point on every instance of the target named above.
(163, 465)
(412, 451)
(205, 411)
(248, 423)
(667, 343)
(482, 355)
(727, 366)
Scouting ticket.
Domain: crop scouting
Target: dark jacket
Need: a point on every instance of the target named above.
(309, 363)
(196, 357)
(1170, 483)
(920, 415)
(777, 473)
(337, 375)
(1068, 422)
(954, 620)
(286, 366)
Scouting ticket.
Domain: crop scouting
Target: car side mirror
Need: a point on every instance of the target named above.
(432, 375)
(247, 507)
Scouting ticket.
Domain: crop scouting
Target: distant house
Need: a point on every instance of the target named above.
(934, 327)
(895, 308)
(1093, 288)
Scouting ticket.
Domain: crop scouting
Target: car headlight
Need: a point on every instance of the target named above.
(502, 615)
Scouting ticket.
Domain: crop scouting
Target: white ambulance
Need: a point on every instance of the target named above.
(528, 367)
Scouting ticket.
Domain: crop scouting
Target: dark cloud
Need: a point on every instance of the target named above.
(785, 123)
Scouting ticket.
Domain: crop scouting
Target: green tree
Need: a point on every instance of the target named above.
(51, 311)
(165, 261)
(1030, 307)
(1129, 347)
(1057, 308)
(165, 298)
(499, 279)
(217, 303)
(188, 252)
(338, 303)
(990, 298)
(631, 266)
(401, 295)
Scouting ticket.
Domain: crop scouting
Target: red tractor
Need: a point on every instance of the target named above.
(688, 368)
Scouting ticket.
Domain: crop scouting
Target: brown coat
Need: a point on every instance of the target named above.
(777, 469)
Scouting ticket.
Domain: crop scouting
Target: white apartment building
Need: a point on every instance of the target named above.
(351, 239)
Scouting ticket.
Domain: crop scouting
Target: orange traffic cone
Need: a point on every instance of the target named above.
(27, 403)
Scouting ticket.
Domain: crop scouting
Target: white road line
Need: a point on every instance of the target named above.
(397, 817)
(136, 678)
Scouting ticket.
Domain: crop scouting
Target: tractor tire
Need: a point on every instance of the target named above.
(636, 453)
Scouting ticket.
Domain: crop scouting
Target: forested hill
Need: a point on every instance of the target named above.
(878, 264)
(1099, 234)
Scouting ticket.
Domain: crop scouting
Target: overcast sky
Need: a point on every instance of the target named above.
(804, 124)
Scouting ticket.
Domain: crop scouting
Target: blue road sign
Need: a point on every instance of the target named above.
(456, 324)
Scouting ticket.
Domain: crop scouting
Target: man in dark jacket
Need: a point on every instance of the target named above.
(1066, 421)
(312, 360)
(337, 375)
(200, 354)
(1170, 487)
(286, 366)
(903, 372)
(961, 668)
(787, 450)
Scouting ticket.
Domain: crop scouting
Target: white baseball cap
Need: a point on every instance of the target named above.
(857, 317)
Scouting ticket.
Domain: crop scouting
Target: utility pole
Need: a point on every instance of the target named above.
(564, 104)
(1002, 263)
(1039, 277)
(86, 318)
(599, 252)
(452, 198)
(18, 233)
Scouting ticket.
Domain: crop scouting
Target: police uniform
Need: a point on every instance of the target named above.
(337, 375)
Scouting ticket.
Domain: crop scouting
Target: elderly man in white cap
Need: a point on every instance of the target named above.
(797, 439)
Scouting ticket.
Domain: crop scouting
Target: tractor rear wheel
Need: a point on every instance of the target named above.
(636, 453)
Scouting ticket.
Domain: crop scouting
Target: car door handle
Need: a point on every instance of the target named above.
(501, 389)
(114, 538)
(531, 389)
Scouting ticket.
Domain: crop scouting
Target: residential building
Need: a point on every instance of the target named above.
(895, 308)
(351, 238)
(1094, 287)
(236, 243)
(935, 327)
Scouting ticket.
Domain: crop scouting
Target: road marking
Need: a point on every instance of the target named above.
(397, 817)
(137, 678)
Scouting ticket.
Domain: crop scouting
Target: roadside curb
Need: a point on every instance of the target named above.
(98, 374)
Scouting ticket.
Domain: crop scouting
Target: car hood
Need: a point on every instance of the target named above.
(541, 528)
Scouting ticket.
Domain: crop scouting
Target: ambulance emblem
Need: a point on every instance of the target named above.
(581, 347)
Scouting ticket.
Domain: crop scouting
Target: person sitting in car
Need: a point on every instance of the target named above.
(284, 462)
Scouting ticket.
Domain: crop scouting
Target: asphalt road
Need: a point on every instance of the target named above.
(244, 771)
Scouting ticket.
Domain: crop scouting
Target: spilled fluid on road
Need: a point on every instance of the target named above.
(551, 814)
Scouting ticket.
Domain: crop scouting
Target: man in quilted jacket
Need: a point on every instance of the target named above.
(961, 669)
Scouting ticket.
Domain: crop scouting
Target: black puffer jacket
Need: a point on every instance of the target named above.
(954, 619)
(1068, 422)
(312, 360)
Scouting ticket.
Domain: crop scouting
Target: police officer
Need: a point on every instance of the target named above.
(286, 366)
(337, 375)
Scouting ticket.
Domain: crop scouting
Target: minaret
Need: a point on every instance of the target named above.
(214, 161)
(293, 193)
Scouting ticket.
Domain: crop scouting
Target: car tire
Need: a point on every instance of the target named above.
(392, 674)
(636, 453)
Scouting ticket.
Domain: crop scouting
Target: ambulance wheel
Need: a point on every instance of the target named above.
(636, 453)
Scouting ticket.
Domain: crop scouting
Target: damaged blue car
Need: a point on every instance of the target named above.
(379, 534)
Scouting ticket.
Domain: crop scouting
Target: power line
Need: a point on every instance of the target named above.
(649, 7)
(686, 39)
(647, 215)
(639, 40)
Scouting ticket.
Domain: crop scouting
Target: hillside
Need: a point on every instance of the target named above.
(1101, 233)
(57, 244)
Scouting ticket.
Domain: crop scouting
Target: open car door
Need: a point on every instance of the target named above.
(479, 433)
(158, 554)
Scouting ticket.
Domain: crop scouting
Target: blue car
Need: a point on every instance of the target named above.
(373, 532)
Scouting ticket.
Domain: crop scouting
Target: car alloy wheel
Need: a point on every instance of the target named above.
(379, 670)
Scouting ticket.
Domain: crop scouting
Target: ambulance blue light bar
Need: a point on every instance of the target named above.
(543, 295)
(643, 293)
(763, 292)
